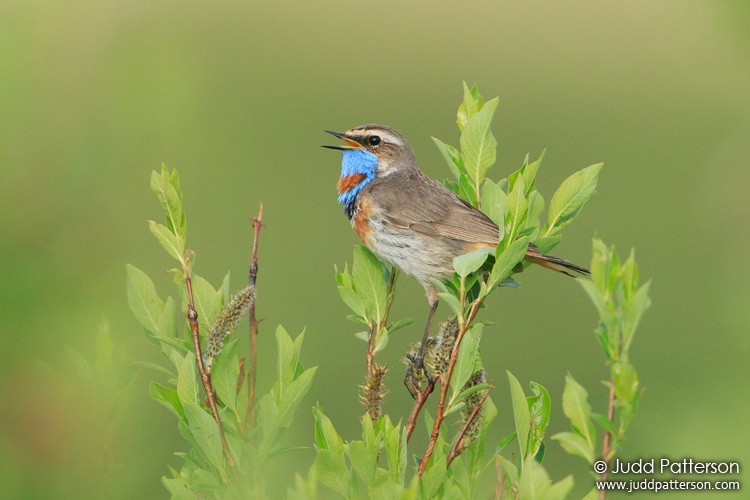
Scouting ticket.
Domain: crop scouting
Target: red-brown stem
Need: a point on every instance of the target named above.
(459, 444)
(192, 316)
(375, 329)
(250, 412)
(444, 385)
(418, 404)
(607, 440)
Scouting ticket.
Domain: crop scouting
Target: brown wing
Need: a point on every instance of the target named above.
(412, 200)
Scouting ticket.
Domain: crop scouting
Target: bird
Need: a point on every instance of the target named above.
(407, 219)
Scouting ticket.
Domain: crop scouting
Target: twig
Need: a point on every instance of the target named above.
(459, 444)
(445, 384)
(192, 316)
(250, 413)
(374, 389)
(418, 404)
(607, 440)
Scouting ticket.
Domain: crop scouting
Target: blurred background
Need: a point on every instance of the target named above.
(95, 95)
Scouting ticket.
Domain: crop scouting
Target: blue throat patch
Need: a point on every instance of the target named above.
(353, 162)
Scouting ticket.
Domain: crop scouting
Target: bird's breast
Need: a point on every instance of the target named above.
(360, 220)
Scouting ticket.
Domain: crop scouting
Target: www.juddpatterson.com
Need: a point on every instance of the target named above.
(665, 466)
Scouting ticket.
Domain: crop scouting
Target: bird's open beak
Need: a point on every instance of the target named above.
(351, 143)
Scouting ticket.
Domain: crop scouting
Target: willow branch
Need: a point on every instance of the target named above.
(250, 412)
(444, 385)
(459, 445)
(192, 316)
(419, 402)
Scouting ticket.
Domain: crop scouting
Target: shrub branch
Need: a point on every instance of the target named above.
(251, 413)
(459, 445)
(192, 317)
(445, 384)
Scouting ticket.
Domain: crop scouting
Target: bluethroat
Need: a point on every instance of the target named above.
(407, 219)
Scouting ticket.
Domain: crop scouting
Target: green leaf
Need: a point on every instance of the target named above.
(592, 495)
(143, 300)
(469, 262)
(576, 407)
(561, 489)
(495, 205)
(353, 301)
(368, 280)
(224, 376)
(326, 437)
(344, 278)
(167, 325)
(286, 364)
(535, 483)
(570, 198)
(539, 409)
(171, 243)
(471, 104)
(626, 381)
(363, 461)
(167, 189)
(433, 478)
(529, 173)
(509, 468)
(400, 324)
(452, 158)
(471, 390)
(536, 207)
(604, 423)
(452, 302)
(518, 207)
(294, 394)
(206, 433)
(575, 445)
(478, 145)
(637, 306)
(332, 471)
(547, 243)
(207, 303)
(466, 361)
(507, 260)
(506, 441)
(381, 340)
(521, 413)
(596, 297)
(187, 383)
(169, 398)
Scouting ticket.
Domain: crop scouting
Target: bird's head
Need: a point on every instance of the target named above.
(369, 151)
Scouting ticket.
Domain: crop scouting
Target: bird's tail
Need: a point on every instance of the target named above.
(555, 263)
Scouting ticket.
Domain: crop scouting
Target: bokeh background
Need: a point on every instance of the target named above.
(94, 95)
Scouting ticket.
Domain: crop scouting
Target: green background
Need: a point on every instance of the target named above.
(95, 95)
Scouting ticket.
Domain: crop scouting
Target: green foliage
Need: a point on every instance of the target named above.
(621, 303)
(207, 470)
(227, 457)
(365, 291)
(356, 467)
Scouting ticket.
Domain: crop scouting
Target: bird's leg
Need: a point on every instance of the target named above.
(419, 362)
(416, 369)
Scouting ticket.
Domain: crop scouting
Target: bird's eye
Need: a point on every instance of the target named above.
(374, 140)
